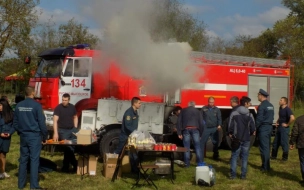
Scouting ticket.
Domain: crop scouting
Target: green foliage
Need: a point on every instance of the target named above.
(17, 18)
(175, 23)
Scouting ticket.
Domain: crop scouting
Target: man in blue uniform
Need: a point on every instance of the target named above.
(286, 117)
(213, 119)
(129, 124)
(29, 122)
(264, 120)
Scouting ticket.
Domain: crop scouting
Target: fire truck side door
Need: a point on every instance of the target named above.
(77, 76)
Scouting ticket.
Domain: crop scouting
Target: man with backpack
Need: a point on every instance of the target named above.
(240, 129)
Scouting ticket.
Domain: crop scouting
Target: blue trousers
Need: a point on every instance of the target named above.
(68, 155)
(242, 151)
(133, 158)
(264, 135)
(214, 135)
(187, 134)
(30, 148)
(281, 138)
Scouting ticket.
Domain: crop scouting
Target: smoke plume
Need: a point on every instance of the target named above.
(127, 25)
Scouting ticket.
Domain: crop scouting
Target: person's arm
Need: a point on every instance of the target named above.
(12, 129)
(201, 124)
(55, 127)
(252, 125)
(291, 118)
(16, 120)
(259, 117)
(231, 127)
(75, 119)
(219, 118)
(41, 122)
(179, 125)
(294, 135)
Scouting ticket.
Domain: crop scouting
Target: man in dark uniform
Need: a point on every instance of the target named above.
(65, 122)
(213, 119)
(286, 117)
(29, 122)
(129, 124)
(264, 120)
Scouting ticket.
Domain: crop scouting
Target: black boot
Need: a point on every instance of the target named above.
(285, 156)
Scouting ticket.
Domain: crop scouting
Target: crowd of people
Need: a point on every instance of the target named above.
(241, 126)
(28, 121)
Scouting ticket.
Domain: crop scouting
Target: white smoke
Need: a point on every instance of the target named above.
(127, 39)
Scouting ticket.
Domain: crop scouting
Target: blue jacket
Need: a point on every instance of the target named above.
(242, 124)
(265, 114)
(129, 121)
(190, 117)
(6, 128)
(29, 118)
(212, 116)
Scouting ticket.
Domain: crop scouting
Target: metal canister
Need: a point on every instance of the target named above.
(164, 147)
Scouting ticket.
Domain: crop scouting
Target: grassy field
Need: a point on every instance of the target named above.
(285, 175)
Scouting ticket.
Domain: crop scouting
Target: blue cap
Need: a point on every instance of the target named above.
(263, 92)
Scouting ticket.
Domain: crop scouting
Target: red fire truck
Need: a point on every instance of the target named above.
(94, 85)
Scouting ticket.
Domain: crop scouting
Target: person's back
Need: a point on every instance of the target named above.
(242, 123)
(29, 122)
(32, 120)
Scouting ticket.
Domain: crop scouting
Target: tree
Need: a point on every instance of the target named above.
(297, 9)
(174, 22)
(17, 19)
(75, 33)
(291, 44)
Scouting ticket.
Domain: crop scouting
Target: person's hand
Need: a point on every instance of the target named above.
(291, 147)
(284, 125)
(230, 135)
(219, 128)
(180, 137)
(254, 133)
(55, 137)
(276, 124)
(5, 135)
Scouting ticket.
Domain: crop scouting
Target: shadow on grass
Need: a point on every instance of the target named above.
(281, 174)
(9, 166)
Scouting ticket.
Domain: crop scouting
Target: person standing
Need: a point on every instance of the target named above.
(286, 117)
(190, 124)
(213, 121)
(264, 120)
(297, 137)
(65, 122)
(29, 122)
(129, 124)
(6, 131)
(241, 127)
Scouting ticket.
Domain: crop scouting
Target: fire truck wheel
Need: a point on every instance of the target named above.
(109, 141)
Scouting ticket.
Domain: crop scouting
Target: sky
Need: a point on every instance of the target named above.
(223, 18)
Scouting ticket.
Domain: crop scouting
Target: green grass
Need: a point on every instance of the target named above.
(285, 175)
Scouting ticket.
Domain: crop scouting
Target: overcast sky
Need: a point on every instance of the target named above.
(224, 18)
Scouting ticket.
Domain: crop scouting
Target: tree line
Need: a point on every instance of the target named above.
(22, 35)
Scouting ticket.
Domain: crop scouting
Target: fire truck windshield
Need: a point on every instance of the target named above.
(50, 68)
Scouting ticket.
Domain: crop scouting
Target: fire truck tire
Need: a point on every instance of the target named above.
(109, 141)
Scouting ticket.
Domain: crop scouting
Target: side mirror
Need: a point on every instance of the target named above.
(27, 60)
